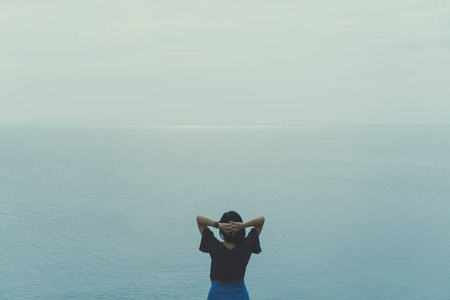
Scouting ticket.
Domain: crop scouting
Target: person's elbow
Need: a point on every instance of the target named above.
(200, 219)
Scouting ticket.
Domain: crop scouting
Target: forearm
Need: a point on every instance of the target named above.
(256, 222)
(204, 221)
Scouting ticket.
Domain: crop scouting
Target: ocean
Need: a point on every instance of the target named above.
(108, 212)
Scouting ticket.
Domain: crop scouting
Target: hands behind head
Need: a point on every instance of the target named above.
(231, 228)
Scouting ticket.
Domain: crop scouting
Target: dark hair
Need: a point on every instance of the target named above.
(237, 237)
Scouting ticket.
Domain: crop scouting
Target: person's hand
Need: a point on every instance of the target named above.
(226, 227)
(236, 226)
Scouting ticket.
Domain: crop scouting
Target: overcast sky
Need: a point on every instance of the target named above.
(225, 62)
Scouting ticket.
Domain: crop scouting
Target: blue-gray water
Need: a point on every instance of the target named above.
(352, 212)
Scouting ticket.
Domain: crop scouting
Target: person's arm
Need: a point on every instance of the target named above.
(202, 222)
(257, 223)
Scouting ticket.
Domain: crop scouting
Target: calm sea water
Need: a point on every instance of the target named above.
(352, 212)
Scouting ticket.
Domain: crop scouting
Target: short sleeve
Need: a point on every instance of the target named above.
(207, 240)
(253, 241)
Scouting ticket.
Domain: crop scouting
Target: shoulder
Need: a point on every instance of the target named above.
(252, 241)
(252, 236)
(208, 234)
(209, 241)
(207, 231)
(253, 232)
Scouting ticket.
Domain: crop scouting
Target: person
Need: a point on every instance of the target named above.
(229, 258)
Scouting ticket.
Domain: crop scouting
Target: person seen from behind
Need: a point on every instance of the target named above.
(229, 258)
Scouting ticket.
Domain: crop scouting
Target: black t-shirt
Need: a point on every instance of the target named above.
(226, 264)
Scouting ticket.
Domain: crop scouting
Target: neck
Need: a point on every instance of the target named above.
(228, 245)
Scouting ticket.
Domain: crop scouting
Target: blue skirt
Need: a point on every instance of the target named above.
(235, 290)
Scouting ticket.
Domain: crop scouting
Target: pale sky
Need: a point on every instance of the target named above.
(225, 62)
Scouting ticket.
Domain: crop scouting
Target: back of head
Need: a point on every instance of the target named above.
(237, 237)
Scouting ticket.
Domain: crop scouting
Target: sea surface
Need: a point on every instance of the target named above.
(108, 212)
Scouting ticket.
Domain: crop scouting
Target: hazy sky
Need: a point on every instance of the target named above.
(247, 61)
